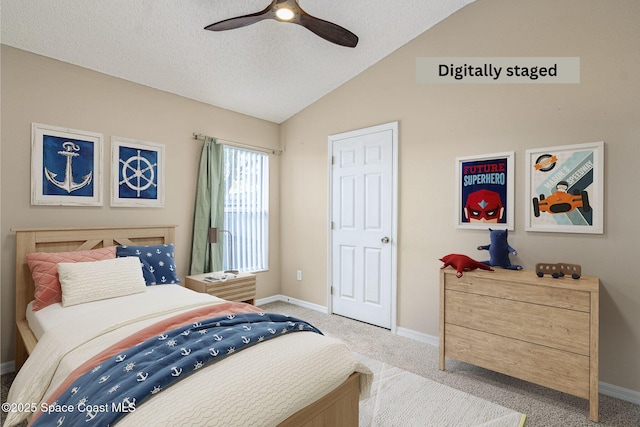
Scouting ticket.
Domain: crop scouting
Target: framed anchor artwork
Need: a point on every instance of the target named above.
(66, 166)
(137, 173)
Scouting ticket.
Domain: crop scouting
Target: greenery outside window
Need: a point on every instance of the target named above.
(246, 210)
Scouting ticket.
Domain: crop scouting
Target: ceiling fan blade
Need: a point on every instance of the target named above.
(325, 29)
(242, 21)
(328, 30)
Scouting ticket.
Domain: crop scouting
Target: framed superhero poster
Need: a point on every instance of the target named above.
(484, 187)
(66, 166)
(564, 188)
(137, 173)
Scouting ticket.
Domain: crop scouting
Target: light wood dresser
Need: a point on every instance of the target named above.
(542, 330)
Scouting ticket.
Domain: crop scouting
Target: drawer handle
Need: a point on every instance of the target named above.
(464, 283)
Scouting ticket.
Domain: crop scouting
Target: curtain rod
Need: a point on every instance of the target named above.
(207, 138)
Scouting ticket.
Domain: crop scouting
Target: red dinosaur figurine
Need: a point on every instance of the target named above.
(463, 263)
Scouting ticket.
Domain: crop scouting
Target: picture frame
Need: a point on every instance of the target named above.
(137, 173)
(66, 166)
(564, 189)
(484, 189)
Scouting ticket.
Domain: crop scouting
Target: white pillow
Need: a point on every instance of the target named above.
(92, 281)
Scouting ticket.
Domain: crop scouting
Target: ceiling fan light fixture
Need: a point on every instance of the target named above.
(290, 11)
(285, 14)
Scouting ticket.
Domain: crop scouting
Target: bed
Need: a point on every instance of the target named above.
(252, 387)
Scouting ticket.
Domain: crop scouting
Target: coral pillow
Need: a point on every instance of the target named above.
(44, 270)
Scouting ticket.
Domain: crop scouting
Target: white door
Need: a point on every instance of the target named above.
(363, 205)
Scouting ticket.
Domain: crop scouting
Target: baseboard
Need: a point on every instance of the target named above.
(7, 367)
(618, 392)
(294, 301)
(269, 300)
(418, 336)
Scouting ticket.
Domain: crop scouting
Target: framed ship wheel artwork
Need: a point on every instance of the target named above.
(137, 173)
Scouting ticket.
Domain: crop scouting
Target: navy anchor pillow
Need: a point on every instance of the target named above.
(157, 262)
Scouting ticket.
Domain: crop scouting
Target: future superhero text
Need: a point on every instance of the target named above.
(484, 174)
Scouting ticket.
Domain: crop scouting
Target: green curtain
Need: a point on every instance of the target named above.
(209, 210)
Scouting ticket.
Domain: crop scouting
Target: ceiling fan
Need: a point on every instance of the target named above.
(290, 11)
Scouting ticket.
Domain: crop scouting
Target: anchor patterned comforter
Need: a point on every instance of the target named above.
(260, 385)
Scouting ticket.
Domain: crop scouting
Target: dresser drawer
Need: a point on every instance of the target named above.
(566, 372)
(534, 292)
(554, 327)
(233, 291)
(240, 288)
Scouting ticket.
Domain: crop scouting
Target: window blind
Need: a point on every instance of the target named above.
(246, 210)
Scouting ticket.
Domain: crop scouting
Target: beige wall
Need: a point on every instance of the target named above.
(439, 122)
(37, 89)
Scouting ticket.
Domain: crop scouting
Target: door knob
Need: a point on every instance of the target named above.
(385, 239)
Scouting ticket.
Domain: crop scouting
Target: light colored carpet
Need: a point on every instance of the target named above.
(400, 398)
(544, 407)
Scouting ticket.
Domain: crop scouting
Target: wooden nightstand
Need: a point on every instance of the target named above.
(242, 287)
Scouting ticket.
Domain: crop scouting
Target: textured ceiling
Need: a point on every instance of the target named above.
(269, 70)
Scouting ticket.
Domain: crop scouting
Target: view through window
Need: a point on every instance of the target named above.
(246, 210)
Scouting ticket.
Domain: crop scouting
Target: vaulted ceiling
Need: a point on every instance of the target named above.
(270, 70)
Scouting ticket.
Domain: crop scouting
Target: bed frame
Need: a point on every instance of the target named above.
(338, 408)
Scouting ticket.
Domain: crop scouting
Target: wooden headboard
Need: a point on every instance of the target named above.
(29, 240)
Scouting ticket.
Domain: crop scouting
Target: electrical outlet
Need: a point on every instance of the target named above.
(299, 275)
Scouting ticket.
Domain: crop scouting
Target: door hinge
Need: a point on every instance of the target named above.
(332, 290)
(332, 224)
(333, 160)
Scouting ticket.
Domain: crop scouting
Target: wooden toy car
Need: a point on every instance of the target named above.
(558, 270)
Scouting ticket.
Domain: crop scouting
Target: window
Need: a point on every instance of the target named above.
(246, 210)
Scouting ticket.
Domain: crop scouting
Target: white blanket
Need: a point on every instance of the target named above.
(260, 386)
(156, 298)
